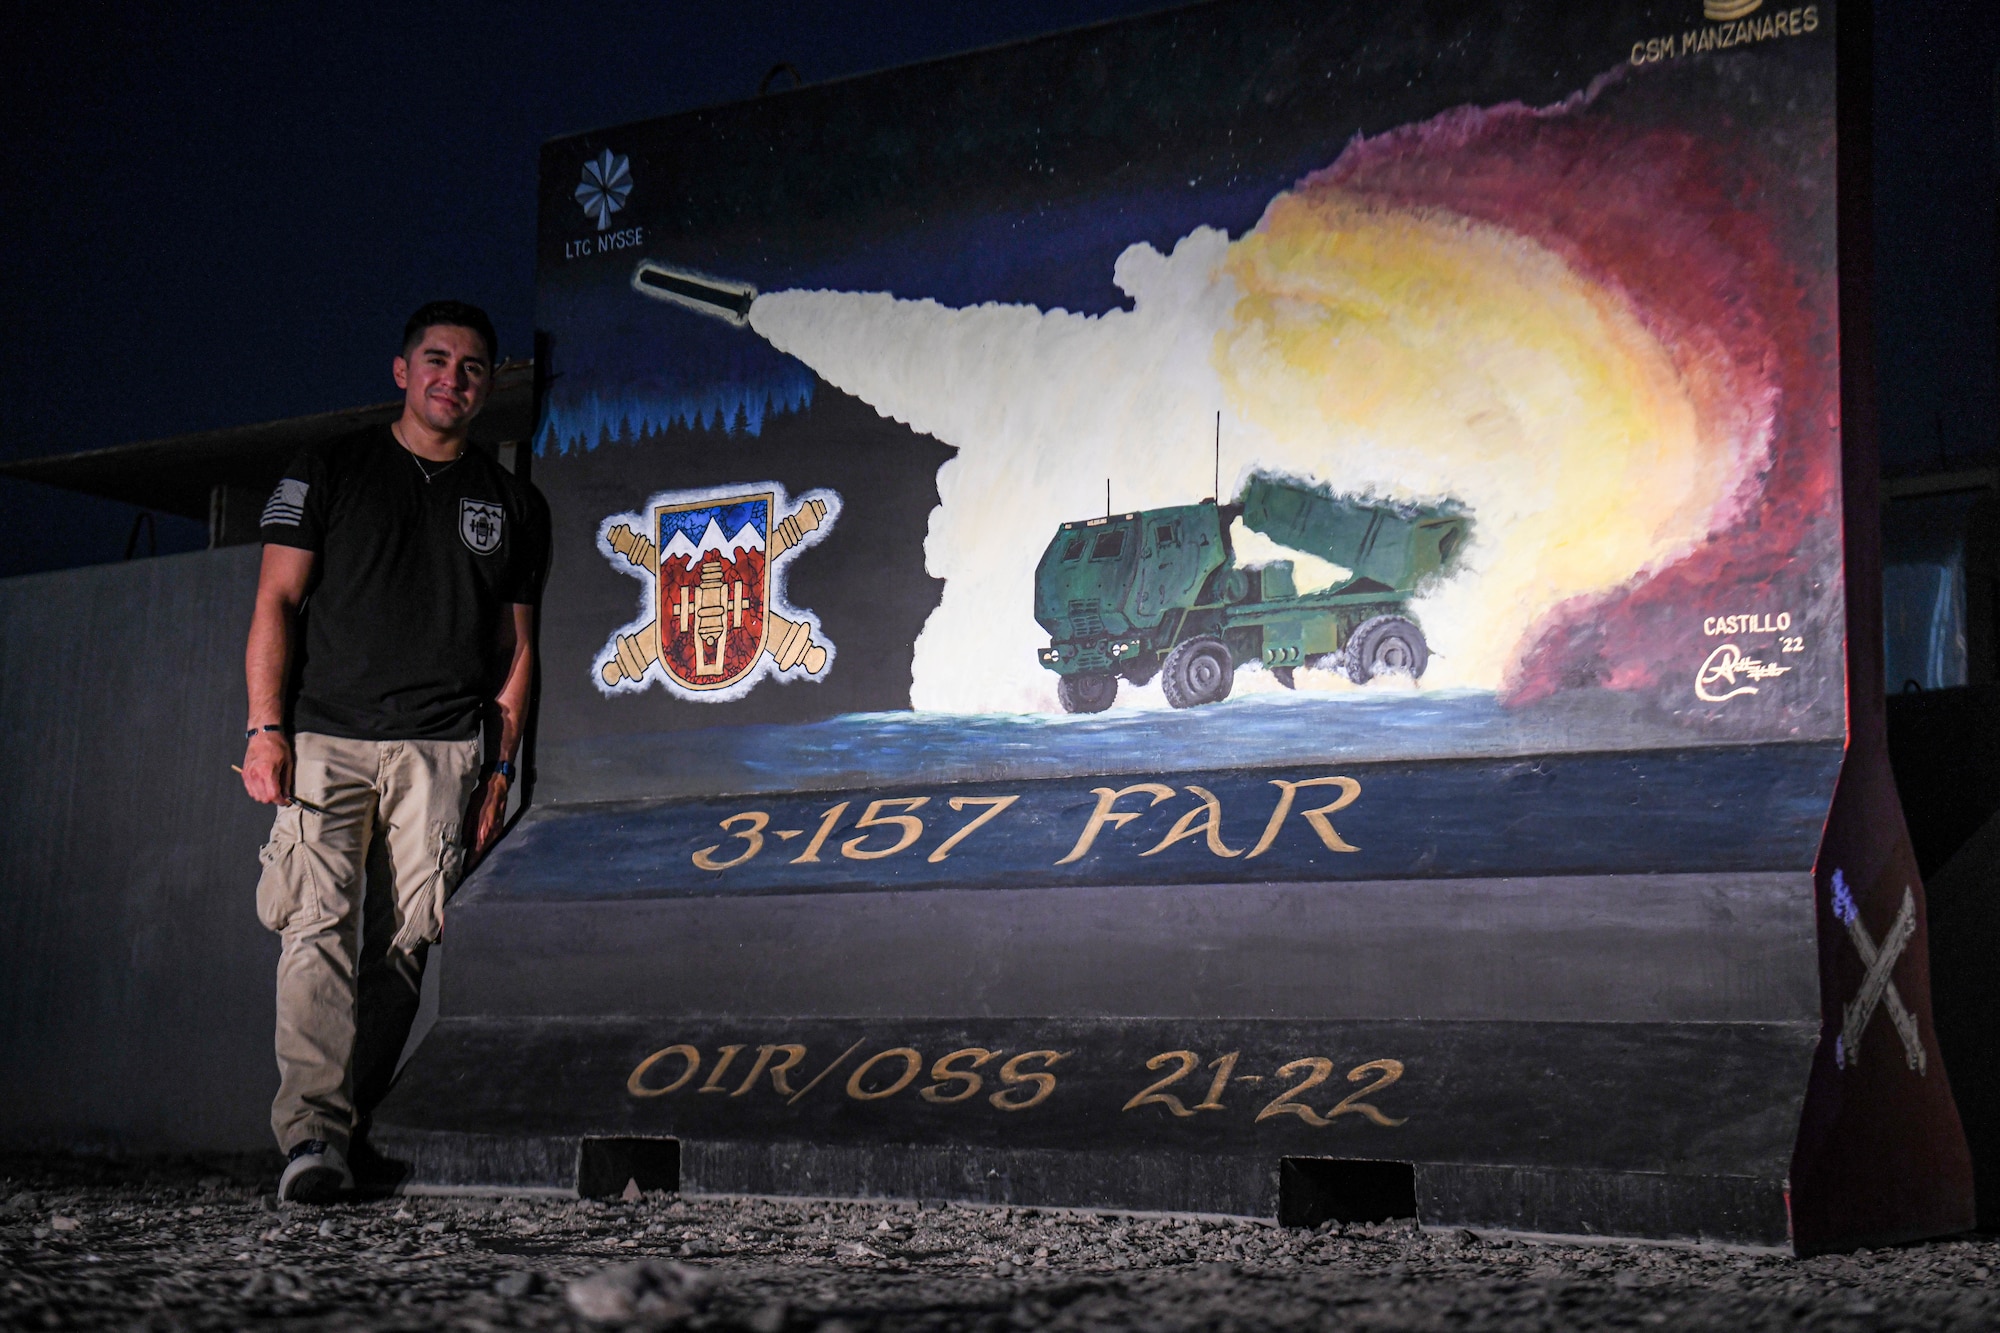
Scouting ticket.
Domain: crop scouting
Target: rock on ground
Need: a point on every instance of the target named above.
(161, 1245)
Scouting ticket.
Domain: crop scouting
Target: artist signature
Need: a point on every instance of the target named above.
(1724, 666)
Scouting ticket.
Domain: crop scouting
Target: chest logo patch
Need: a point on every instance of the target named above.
(481, 525)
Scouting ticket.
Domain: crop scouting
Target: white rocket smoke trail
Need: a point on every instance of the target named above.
(1043, 407)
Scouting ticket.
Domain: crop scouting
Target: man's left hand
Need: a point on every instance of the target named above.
(487, 816)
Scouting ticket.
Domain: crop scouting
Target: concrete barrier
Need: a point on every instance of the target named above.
(135, 980)
(947, 783)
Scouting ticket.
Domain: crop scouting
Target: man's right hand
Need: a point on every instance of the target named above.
(267, 768)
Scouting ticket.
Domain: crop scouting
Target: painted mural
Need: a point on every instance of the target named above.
(1450, 407)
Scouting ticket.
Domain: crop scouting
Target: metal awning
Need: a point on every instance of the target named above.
(209, 476)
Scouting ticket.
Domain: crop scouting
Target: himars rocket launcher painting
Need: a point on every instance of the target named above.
(1360, 416)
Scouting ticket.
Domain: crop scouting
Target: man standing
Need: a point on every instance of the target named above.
(400, 578)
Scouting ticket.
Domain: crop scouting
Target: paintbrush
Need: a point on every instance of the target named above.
(299, 801)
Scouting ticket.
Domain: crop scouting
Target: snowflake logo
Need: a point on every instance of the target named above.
(607, 180)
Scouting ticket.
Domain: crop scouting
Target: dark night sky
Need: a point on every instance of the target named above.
(212, 218)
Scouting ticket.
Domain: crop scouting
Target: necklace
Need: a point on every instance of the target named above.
(424, 464)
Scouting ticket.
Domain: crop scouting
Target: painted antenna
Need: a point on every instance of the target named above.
(1217, 493)
(1107, 497)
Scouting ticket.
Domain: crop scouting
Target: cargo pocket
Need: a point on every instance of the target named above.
(287, 887)
(426, 920)
(451, 857)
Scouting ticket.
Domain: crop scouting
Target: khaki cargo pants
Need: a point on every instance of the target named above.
(357, 896)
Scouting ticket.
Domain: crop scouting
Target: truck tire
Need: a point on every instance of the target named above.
(1196, 672)
(1086, 692)
(1385, 645)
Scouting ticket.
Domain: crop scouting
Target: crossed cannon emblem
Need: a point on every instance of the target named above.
(1877, 989)
(708, 607)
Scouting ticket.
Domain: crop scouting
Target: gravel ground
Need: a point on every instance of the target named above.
(183, 1245)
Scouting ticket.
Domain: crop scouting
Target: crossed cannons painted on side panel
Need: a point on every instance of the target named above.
(1876, 986)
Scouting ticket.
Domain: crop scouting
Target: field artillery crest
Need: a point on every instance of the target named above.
(715, 620)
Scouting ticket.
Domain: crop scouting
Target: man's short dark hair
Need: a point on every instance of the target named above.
(459, 314)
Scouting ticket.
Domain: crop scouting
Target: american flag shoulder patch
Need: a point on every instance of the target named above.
(287, 504)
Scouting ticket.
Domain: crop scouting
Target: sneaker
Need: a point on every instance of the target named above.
(316, 1173)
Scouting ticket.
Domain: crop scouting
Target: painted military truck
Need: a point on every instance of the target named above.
(1159, 592)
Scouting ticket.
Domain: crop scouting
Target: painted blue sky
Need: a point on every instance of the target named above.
(730, 518)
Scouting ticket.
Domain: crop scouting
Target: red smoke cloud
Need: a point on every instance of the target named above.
(1723, 272)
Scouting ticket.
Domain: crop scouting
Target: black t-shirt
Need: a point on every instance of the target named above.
(417, 563)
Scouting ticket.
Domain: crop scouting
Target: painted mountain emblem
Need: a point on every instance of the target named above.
(715, 619)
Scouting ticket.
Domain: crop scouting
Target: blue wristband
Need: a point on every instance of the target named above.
(505, 768)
